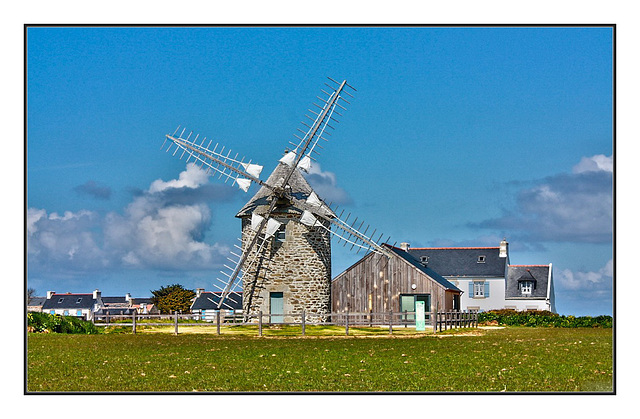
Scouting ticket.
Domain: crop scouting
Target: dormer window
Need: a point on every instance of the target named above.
(526, 287)
(482, 258)
(424, 259)
(60, 301)
(78, 300)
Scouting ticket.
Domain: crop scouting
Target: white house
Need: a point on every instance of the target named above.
(488, 280)
(77, 305)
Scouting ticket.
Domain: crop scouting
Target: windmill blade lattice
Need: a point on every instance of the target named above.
(216, 161)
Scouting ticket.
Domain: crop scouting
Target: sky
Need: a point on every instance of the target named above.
(456, 136)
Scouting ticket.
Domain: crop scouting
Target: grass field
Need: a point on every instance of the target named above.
(512, 359)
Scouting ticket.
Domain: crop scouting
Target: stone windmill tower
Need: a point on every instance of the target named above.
(284, 260)
(293, 272)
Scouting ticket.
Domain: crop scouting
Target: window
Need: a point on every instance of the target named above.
(79, 313)
(408, 304)
(424, 259)
(479, 289)
(60, 301)
(281, 234)
(78, 300)
(482, 258)
(65, 313)
(526, 287)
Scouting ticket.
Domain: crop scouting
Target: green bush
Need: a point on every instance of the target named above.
(49, 323)
(542, 319)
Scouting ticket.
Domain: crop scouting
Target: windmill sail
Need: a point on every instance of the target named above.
(221, 164)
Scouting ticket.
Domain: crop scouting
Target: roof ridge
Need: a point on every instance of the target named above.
(438, 248)
(528, 266)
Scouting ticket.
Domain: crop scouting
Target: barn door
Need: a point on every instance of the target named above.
(276, 307)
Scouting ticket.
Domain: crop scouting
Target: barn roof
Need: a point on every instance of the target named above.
(462, 261)
(428, 271)
(300, 190)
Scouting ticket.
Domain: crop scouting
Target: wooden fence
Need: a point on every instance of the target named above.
(437, 321)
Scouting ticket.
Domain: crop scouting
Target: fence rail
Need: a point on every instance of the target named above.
(437, 321)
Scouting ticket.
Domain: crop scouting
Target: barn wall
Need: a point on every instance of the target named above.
(376, 282)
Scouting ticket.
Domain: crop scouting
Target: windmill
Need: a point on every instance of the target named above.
(283, 258)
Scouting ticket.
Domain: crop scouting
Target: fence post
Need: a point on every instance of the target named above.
(176, 322)
(370, 318)
(134, 321)
(303, 322)
(260, 323)
(346, 323)
(390, 322)
(218, 321)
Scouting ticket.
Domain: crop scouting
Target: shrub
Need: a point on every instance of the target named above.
(49, 323)
(542, 319)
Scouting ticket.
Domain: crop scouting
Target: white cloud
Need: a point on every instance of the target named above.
(192, 177)
(325, 185)
(163, 228)
(576, 207)
(586, 281)
(596, 163)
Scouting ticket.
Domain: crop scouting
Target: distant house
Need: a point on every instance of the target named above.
(35, 303)
(77, 305)
(114, 306)
(487, 278)
(205, 304)
(144, 306)
(379, 285)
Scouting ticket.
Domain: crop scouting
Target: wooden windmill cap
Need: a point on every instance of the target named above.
(299, 191)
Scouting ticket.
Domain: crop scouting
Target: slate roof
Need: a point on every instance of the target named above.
(37, 301)
(69, 302)
(462, 261)
(300, 190)
(537, 273)
(115, 300)
(210, 300)
(425, 269)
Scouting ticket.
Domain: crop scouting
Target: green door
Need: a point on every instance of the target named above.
(276, 307)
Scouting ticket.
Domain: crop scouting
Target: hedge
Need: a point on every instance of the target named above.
(49, 323)
(542, 318)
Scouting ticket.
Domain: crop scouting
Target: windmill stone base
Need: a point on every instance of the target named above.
(298, 267)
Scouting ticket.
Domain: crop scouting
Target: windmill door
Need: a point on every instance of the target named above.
(276, 307)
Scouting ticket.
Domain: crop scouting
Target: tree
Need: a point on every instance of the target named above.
(31, 292)
(172, 298)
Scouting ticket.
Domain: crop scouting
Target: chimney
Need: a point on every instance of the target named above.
(504, 248)
(199, 292)
(50, 294)
(405, 246)
(96, 294)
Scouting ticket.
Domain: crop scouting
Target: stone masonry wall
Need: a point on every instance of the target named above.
(300, 268)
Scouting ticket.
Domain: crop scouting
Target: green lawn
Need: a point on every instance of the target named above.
(512, 359)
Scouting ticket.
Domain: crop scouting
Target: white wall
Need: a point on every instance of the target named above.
(495, 301)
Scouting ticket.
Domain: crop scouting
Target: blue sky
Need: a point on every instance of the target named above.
(456, 136)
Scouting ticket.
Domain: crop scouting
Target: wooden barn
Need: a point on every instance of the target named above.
(379, 284)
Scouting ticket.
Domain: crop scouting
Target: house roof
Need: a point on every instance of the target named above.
(210, 300)
(69, 301)
(300, 190)
(115, 300)
(539, 274)
(36, 301)
(462, 261)
(425, 269)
